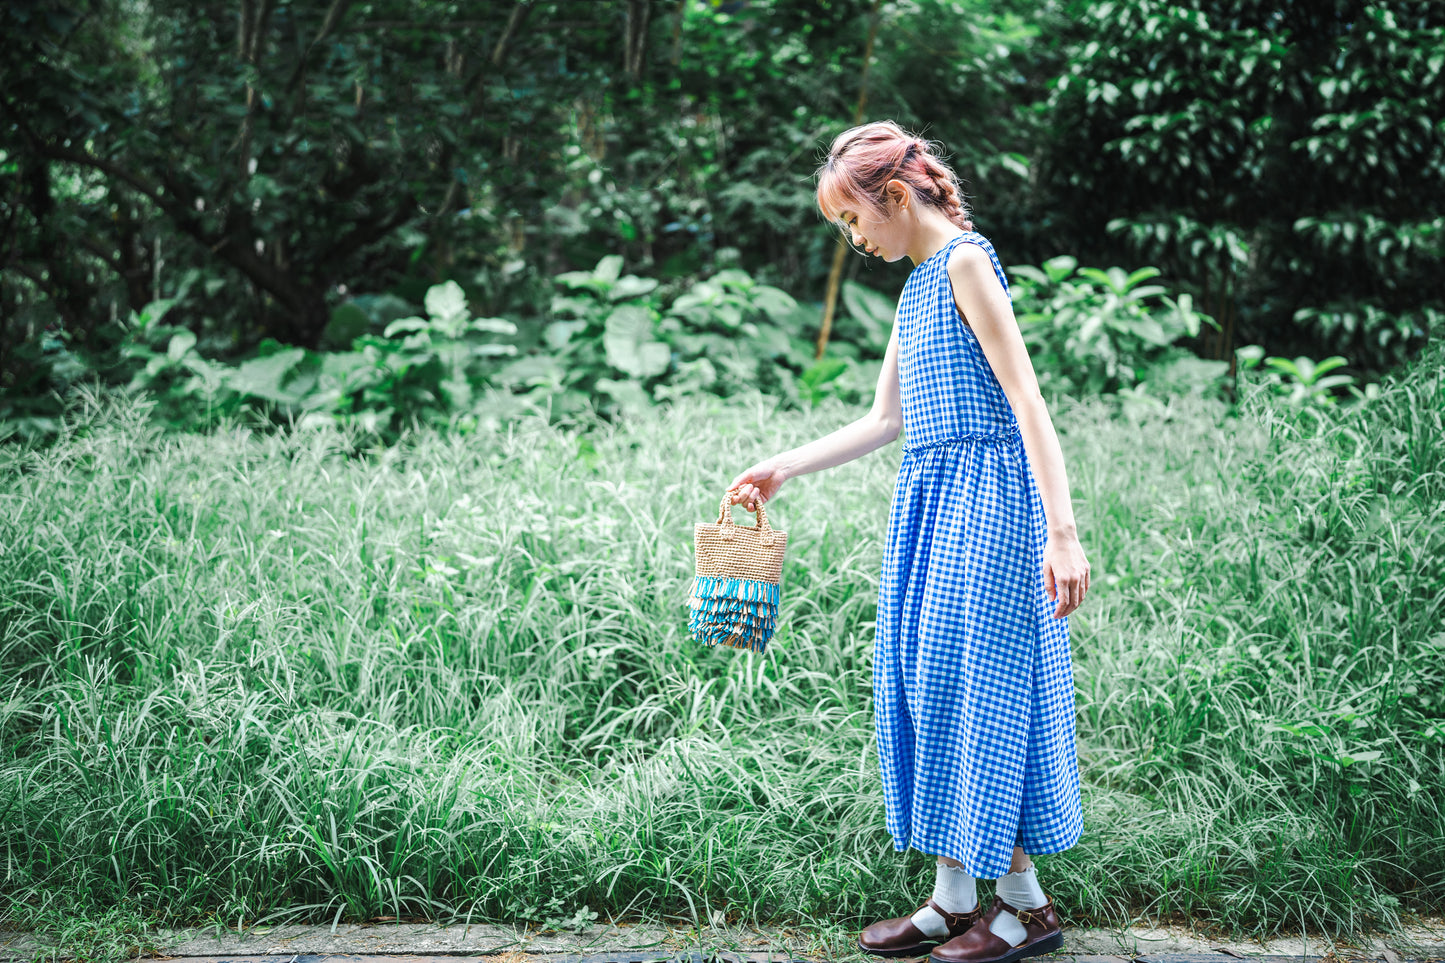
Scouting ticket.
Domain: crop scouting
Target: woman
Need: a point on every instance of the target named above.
(972, 681)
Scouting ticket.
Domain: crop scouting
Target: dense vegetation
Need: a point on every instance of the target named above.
(254, 674)
(297, 176)
(364, 366)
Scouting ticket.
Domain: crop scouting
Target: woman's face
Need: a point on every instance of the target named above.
(880, 237)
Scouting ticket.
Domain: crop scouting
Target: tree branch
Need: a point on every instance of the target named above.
(177, 200)
(835, 273)
(639, 13)
(334, 13)
(514, 23)
(499, 51)
(368, 231)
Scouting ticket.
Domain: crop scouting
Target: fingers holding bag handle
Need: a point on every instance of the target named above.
(725, 512)
(757, 484)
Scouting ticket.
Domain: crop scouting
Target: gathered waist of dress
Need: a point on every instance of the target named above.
(1006, 434)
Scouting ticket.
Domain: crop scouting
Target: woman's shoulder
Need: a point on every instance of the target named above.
(973, 258)
(972, 246)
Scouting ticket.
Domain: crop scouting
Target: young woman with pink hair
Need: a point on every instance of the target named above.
(972, 681)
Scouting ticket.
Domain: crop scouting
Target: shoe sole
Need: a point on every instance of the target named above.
(1046, 945)
(918, 949)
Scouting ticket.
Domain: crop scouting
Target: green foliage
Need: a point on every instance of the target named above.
(875, 314)
(739, 332)
(418, 371)
(819, 381)
(1092, 331)
(163, 363)
(615, 346)
(617, 337)
(93, 934)
(33, 398)
(1277, 159)
(500, 148)
(454, 680)
(620, 344)
(1301, 381)
(426, 374)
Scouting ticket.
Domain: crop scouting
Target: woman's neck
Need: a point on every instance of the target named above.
(929, 233)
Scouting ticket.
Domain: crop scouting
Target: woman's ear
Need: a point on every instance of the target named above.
(897, 192)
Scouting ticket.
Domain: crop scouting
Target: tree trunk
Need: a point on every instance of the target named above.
(639, 12)
(677, 32)
(835, 275)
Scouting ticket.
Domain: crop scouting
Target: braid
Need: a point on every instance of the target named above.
(864, 159)
(945, 194)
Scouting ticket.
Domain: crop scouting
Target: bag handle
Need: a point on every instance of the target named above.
(725, 512)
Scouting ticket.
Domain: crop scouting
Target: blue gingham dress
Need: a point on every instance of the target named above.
(973, 691)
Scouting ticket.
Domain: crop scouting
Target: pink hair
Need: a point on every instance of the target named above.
(863, 159)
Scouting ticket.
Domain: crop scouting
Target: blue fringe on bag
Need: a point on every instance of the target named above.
(737, 612)
(734, 594)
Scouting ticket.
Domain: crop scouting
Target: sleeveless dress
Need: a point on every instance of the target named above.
(972, 684)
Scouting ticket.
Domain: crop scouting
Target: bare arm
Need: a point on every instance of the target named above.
(877, 428)
(985, 304)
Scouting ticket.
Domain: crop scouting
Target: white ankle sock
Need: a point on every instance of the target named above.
(1021, 891)
(955, 891)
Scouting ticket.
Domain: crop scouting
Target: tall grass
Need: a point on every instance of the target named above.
(248, 676)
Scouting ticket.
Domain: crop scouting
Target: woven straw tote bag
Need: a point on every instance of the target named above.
(734, 596)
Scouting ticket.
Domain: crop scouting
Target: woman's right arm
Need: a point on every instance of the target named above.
(877, 428)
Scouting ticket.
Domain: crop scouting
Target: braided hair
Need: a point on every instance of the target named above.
(864, 159)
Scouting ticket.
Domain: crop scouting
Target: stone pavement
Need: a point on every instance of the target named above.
(623, 943)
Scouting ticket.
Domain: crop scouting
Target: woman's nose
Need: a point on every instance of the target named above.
(857, 238)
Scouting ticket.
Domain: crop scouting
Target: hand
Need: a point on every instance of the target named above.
(757, 484)
(1066, 573)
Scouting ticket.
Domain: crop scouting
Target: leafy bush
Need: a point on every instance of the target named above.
(163, 363)
(1093, 331)
(419, 370)
(1301, 381)
(33, 393)
(615, 338)
(618, 344)
(1282, 160)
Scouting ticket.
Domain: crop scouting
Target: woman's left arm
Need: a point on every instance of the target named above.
(982, 300)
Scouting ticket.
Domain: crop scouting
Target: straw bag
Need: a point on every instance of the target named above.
(734, 597)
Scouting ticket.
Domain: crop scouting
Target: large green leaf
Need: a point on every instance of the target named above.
(558, 333)
(631, 286)
(266, 377)
(776, 303)
(180, 343)
(874, 311)
(446, 301)
(403, 325)
(608, 269)
(629, 343)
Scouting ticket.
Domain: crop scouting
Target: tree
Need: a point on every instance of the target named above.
(1284, 160)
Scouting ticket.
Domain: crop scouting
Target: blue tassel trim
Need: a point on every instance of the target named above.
(737, 612)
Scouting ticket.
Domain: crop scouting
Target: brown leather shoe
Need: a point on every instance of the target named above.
(980, 945)
(899, 937)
